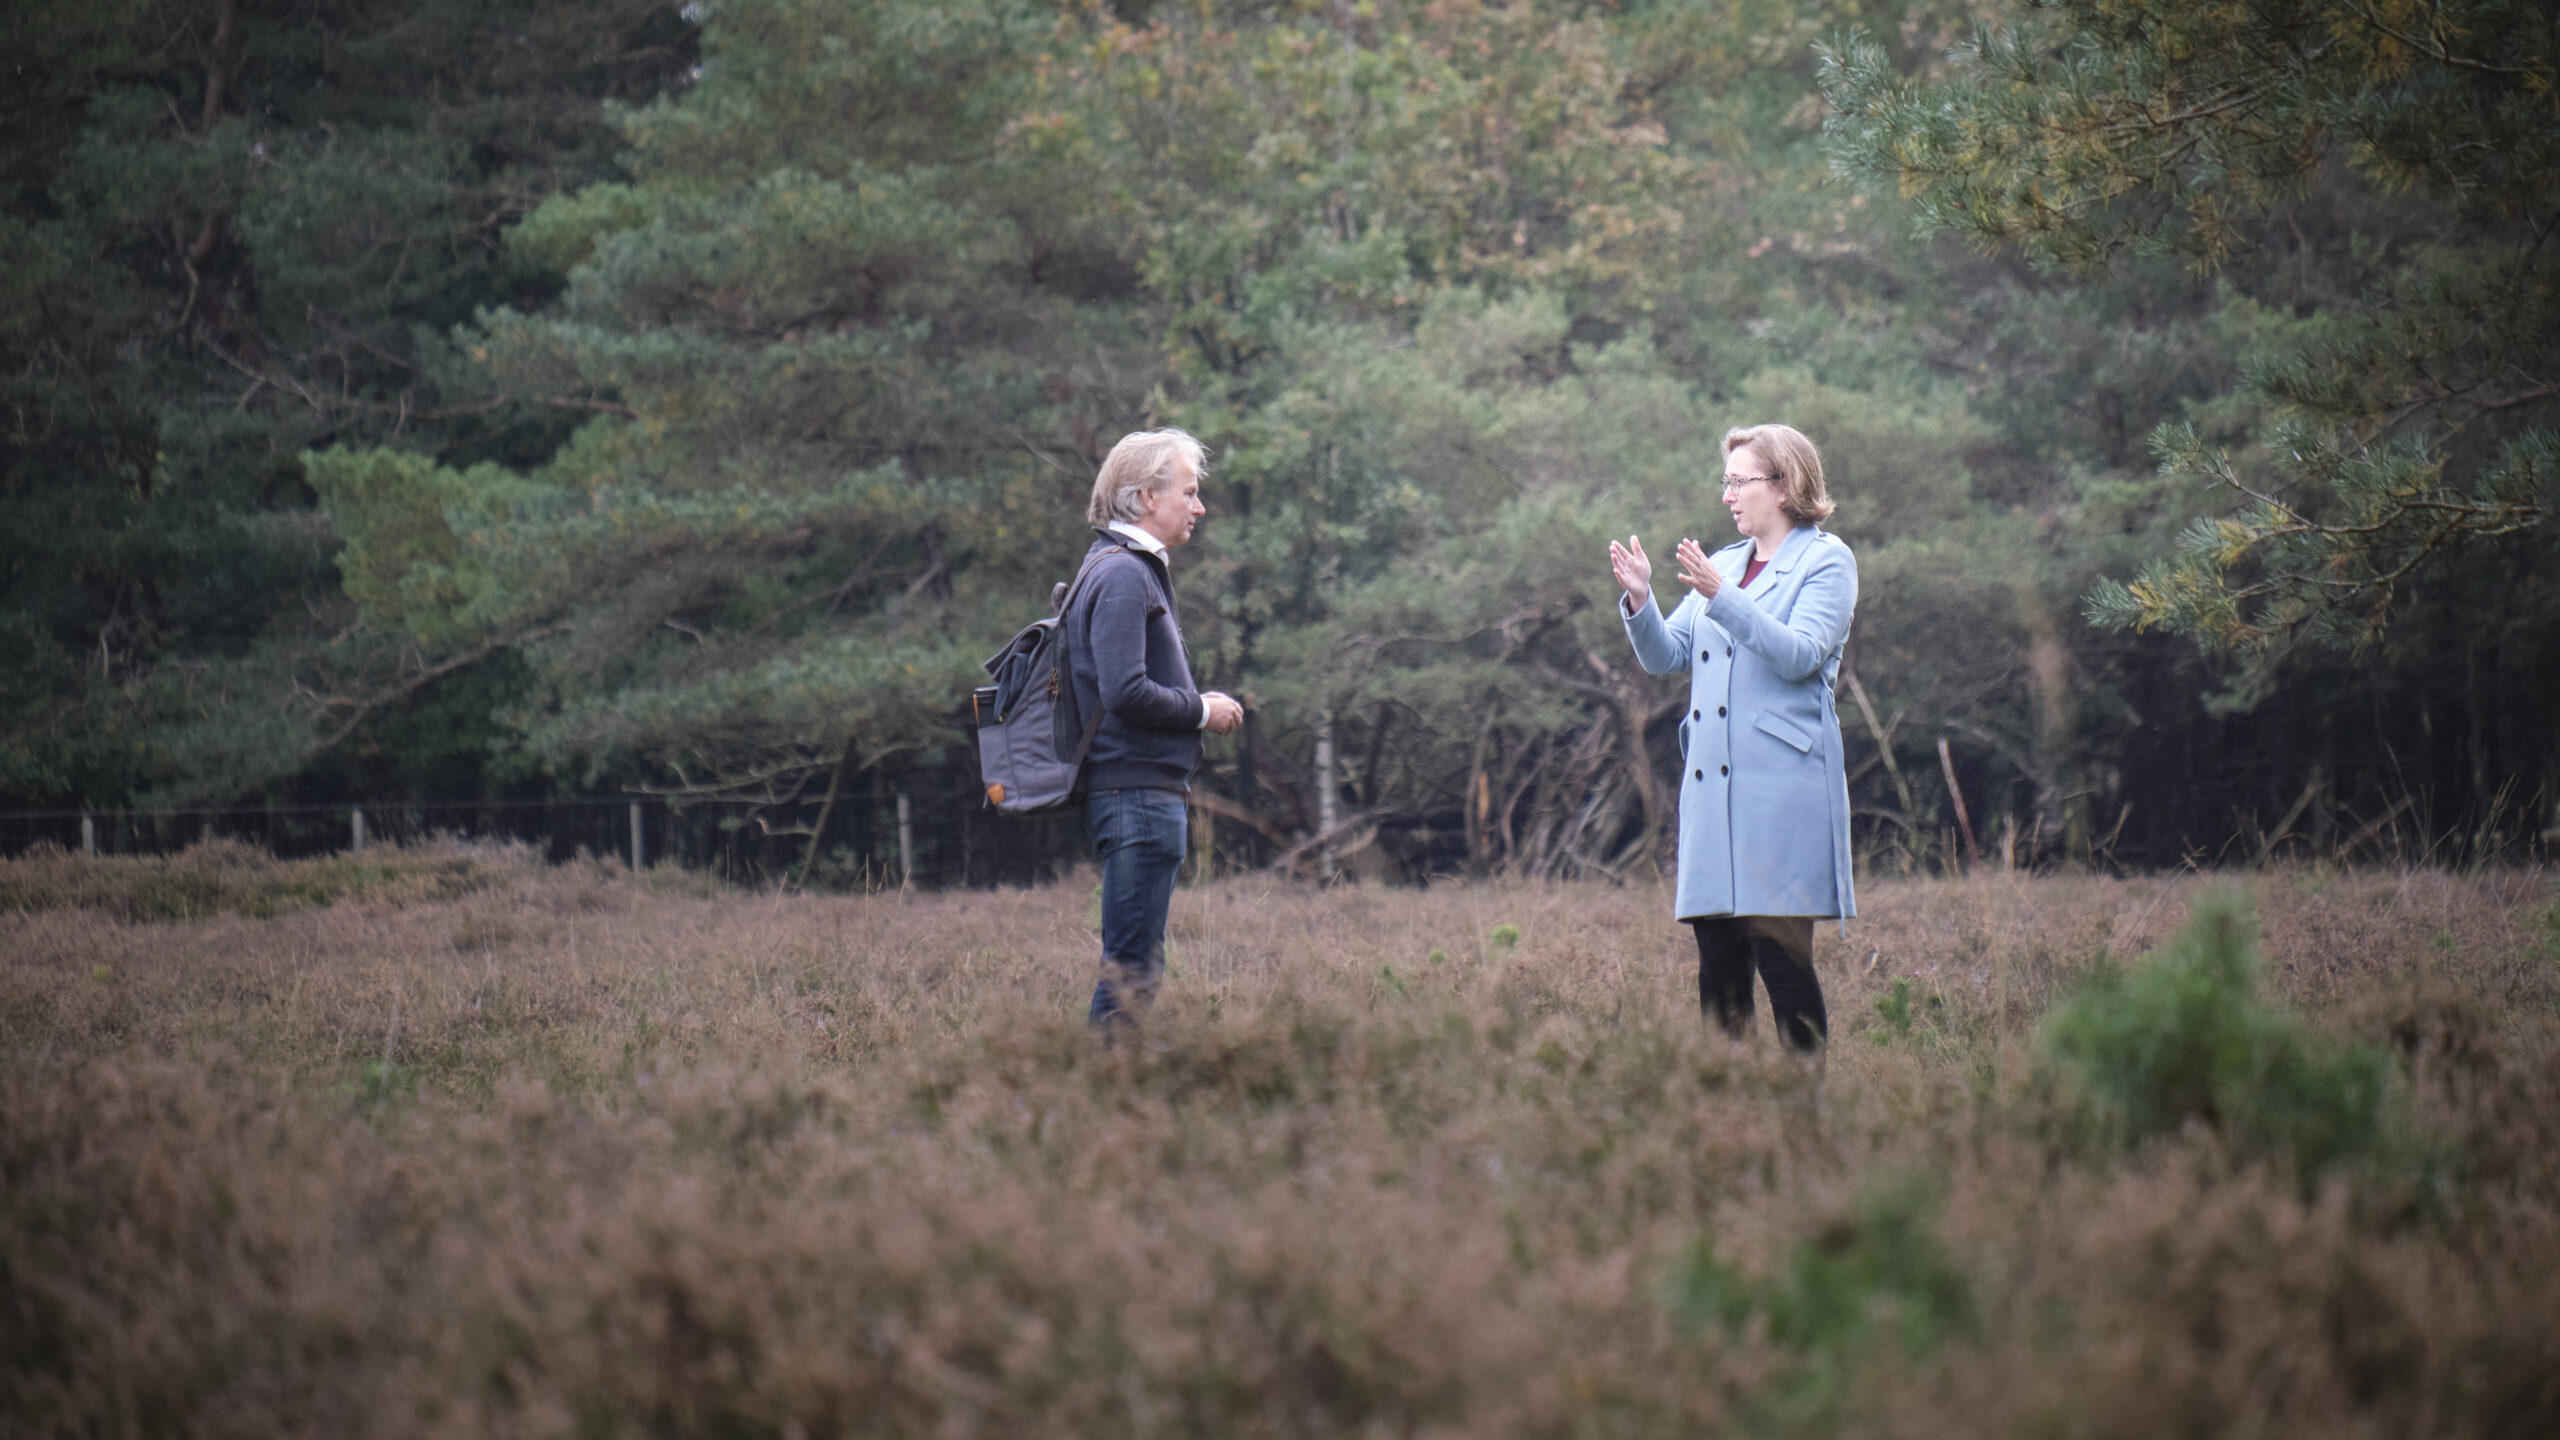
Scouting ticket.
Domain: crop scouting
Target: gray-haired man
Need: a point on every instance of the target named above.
(1125, 652)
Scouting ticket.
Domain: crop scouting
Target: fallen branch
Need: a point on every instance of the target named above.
(1964, 821)
(1299, 853)
(1226, 809)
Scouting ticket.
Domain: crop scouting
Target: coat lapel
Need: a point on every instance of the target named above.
(1778, 577)
(1731, 561)
(1791, 550)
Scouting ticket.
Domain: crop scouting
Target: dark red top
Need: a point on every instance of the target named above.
(1751, 571)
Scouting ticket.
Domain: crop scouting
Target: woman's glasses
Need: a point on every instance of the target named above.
(1736, 482)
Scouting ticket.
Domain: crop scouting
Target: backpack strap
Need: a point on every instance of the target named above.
(1084, 746)
(1066, 594)
(1093, 726)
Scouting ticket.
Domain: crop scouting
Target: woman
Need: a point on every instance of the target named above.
(1764, 799)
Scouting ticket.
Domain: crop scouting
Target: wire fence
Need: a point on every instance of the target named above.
(928, 826)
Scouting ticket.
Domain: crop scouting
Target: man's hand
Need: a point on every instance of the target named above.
(1224, 713)
(1634, 570)
(1696, 572)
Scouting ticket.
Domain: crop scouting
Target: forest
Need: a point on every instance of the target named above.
(627, 426)
(565, 402)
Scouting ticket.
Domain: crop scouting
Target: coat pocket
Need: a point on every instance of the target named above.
(1787, 730)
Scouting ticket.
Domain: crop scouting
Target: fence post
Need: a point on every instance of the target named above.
(639, 858)
(1325, 795)
(355, 826)
(88, 835)
(906, 844)
(1204, 843)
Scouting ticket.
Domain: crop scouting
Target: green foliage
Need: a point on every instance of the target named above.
(233, 231)
(2406, 431)
(1894, 1007)
(1907, 1014)
(2181, 1038)
(1876, 1274)
(2333, 578)
(751, 560)
(380, 1082)
(435, 397)
(1353, 259)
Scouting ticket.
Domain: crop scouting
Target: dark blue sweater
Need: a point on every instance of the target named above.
(1124, 648)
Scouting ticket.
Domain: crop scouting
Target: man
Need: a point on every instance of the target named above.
(1125, 652)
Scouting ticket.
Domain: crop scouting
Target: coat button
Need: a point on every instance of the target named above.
(1724, 769)
(1719, 712)
(1706, 655)
(1728, 649)
(1694, 714)
(1700, 774)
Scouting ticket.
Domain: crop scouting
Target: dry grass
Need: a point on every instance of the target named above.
(574, 1154)
(226, 875)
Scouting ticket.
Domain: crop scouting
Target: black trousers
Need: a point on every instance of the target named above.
(1781, 948)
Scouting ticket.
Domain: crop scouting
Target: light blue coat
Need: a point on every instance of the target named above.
(1764, 796)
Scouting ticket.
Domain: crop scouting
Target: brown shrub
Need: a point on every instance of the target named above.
(574, 1153)
(226, 875)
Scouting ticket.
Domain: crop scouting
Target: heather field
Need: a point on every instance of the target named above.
(452, 1143)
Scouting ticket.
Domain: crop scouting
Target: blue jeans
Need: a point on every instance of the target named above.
(1141, 836)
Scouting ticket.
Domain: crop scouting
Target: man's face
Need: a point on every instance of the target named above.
(1172, 511)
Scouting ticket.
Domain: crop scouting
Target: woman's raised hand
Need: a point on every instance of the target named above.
(1696, 571)
(1634, 571)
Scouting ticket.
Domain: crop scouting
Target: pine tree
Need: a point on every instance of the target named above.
(833, 330)
(235, 230)
(2408, 427)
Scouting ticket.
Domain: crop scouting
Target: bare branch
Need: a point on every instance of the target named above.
(2435, 51)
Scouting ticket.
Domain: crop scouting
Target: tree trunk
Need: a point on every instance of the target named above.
(1377, 755)
(2057, 724)
(1479, 803)
(817, 833)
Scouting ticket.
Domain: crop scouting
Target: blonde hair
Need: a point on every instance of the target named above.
(1798, 464)
(1139, 467)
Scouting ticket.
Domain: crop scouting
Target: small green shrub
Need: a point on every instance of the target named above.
(1505, 936)
(1894, 1008)
(1876, 1273)
(2182, 1036)
(1905, 1012)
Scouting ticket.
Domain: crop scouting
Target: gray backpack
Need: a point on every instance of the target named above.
(1031, 742)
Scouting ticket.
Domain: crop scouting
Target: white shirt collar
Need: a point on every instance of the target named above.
(1144, 541)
